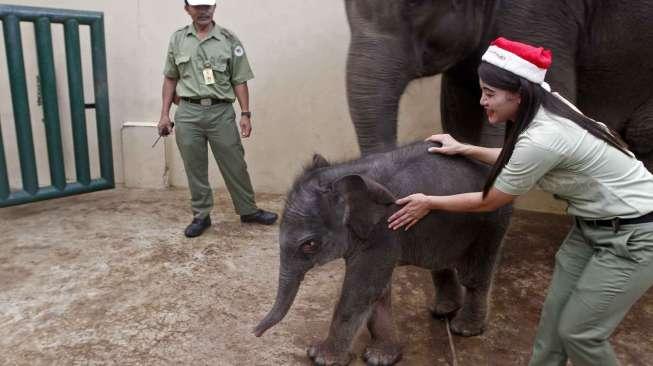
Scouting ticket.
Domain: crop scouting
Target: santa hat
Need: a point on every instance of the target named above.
(519, 58)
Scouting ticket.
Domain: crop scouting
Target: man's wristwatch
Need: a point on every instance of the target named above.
(246, 114)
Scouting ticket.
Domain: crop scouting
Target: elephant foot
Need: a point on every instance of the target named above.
(465, 327)
(449, 293)
(382, 354)
(322, 354)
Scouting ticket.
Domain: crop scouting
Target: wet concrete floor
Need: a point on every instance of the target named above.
(109, 279)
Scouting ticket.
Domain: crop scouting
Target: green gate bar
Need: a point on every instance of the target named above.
(101, 88)
(31, 14)
(50, 102)
(19, 98)
(77, 108)
(11, 16)
(4, 178)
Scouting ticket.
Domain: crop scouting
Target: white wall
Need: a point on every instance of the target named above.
(297, 49)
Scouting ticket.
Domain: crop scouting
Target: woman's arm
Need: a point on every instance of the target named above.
(451, 146)
(418, 205)
(487, 155)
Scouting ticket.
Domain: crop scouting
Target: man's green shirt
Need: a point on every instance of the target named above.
(220, 51)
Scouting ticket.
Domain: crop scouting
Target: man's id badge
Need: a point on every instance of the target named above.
(209, 79)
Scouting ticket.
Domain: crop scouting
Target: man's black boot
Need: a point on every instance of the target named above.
(260, 217)
(197, 227)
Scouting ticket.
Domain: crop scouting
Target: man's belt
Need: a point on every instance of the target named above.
(616, 222)
(205, 101)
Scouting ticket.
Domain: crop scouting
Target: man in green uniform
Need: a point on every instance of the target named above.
(206, 70)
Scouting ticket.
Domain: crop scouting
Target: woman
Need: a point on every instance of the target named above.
(606, 261)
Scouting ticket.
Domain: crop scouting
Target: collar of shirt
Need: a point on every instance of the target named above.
(215, 32)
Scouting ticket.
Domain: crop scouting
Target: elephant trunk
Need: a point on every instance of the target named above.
(288, 287)
(376, 79)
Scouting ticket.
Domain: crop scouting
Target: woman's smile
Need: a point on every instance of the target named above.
(500, 105)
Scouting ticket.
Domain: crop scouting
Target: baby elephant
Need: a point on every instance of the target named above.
(341, 211)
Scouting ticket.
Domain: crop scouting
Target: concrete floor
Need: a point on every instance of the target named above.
(108, 278)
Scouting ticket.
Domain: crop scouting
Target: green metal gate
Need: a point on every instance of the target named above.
(42, 18)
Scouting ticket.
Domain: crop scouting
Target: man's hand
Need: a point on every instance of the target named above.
(164, 126)
(416, 207)
(245, 126)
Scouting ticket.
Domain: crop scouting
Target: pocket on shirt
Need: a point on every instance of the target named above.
(220, 72)
(183, 65)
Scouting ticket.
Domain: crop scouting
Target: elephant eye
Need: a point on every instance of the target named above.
(310, 247)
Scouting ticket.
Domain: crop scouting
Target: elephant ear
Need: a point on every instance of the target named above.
(366, 203)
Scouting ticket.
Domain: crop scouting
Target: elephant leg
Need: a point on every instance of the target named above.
(638, 133)
(366, 279)
(385, 349)
(470, 320)
(448, 292)
(476, 275)
(461, 114)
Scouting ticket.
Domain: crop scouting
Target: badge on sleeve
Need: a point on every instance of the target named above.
(239, 51)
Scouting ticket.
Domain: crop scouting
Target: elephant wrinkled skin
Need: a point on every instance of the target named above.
(602, 61)
(341, 211)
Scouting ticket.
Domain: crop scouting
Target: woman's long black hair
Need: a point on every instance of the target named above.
(533, 96)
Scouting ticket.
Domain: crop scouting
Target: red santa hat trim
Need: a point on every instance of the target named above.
(519, 58)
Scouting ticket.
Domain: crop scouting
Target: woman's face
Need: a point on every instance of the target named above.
(500, 105)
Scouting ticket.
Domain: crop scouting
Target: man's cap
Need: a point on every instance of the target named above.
(201, 2)
(521, 59)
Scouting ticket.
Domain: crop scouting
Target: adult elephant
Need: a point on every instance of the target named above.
(603, 52)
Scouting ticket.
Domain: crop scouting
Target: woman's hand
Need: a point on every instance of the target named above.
(450, 146)
(416, 207)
